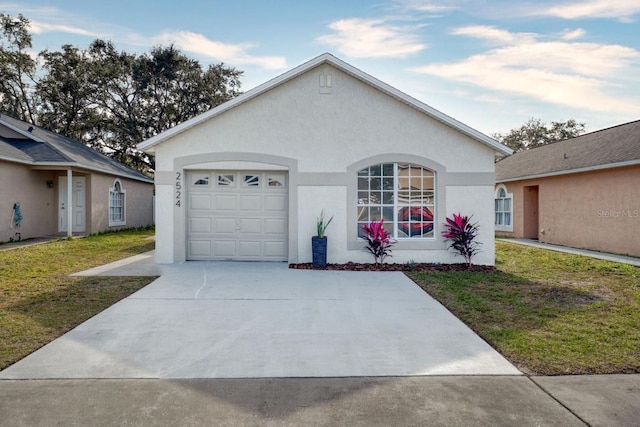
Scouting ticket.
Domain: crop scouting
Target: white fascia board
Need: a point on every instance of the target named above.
(148, 145)
(571, 171)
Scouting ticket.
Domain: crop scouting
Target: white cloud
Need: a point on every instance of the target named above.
(429, 6)
(38, 27)
(225, 52)
(490, 33)
(578, 33)
(49, 20)
(372, 38)
(581, 75)
(622, 9)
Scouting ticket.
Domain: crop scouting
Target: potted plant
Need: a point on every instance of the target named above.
(319, 241)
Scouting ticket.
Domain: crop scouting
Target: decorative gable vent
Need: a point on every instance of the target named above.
(325, 84)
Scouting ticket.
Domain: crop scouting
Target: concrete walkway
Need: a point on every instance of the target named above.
(584, 252)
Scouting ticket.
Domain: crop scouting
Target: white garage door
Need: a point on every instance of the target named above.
(237, 215)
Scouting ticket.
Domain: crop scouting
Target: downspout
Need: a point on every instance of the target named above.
(69, 203)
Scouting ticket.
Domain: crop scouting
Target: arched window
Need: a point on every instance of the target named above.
(117, 204)
(403, 194)
(503, 209)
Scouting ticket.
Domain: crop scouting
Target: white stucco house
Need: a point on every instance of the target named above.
(247, 179)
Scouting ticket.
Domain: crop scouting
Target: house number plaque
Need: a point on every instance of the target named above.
(178, 189)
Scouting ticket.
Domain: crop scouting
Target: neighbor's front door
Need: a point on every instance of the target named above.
(78, 204)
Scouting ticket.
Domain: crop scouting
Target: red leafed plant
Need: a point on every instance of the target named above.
(461, 234)
(378, 240)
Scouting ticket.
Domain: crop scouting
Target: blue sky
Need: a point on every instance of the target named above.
(491, 64)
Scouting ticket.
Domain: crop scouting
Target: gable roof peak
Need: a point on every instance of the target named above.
(326, 58)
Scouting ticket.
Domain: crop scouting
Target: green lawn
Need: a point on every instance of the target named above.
(39, 301)
(549, 313)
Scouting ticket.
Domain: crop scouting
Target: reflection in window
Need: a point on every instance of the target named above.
(226, 180)
(204, 181)
(251, 180)
(402, 194)
(275, 180)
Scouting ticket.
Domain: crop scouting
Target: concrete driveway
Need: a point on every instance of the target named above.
(264, 320)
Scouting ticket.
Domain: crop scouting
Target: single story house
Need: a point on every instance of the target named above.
(582, 192)
(248, 179)
(43, 171)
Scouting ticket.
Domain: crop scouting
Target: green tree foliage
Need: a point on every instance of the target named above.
(17, 67)
(113, 100)
(534, 133)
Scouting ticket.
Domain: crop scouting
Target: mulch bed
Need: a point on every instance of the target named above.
(417, 267)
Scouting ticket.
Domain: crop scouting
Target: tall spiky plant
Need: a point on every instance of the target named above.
(461, 234)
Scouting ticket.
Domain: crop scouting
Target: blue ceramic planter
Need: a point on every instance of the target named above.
(319, 251)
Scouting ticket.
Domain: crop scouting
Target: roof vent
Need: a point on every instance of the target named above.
(565, 156)
(30, 129)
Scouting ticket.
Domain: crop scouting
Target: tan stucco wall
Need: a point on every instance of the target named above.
(597, 210)
(22, 185)
(39, 203)
(139, 202)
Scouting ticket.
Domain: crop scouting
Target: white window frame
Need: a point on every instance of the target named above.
(509, 197)
(117, 191)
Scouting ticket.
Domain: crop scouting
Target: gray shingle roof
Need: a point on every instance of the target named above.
(613, 146)
(43, 146)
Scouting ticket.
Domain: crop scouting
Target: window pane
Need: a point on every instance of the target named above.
(275, 180)
(403, 197)
(376, 183)
(363, 214)
(387, 184)
(363, 184)
(376, 170)
(387, 197)
(226, 180)
(427, 183)
(251, 180)
(387, 214)
(363, 197)
(375, 213)
(387, 169)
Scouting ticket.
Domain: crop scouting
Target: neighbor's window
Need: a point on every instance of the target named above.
(117, 199)
(403, 194)
(503, 209)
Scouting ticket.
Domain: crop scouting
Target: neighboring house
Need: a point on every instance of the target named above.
(41, 171)
(583, 192)
(247, 179)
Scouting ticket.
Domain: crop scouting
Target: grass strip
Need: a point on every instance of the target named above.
(548, 312)
(39, 301)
